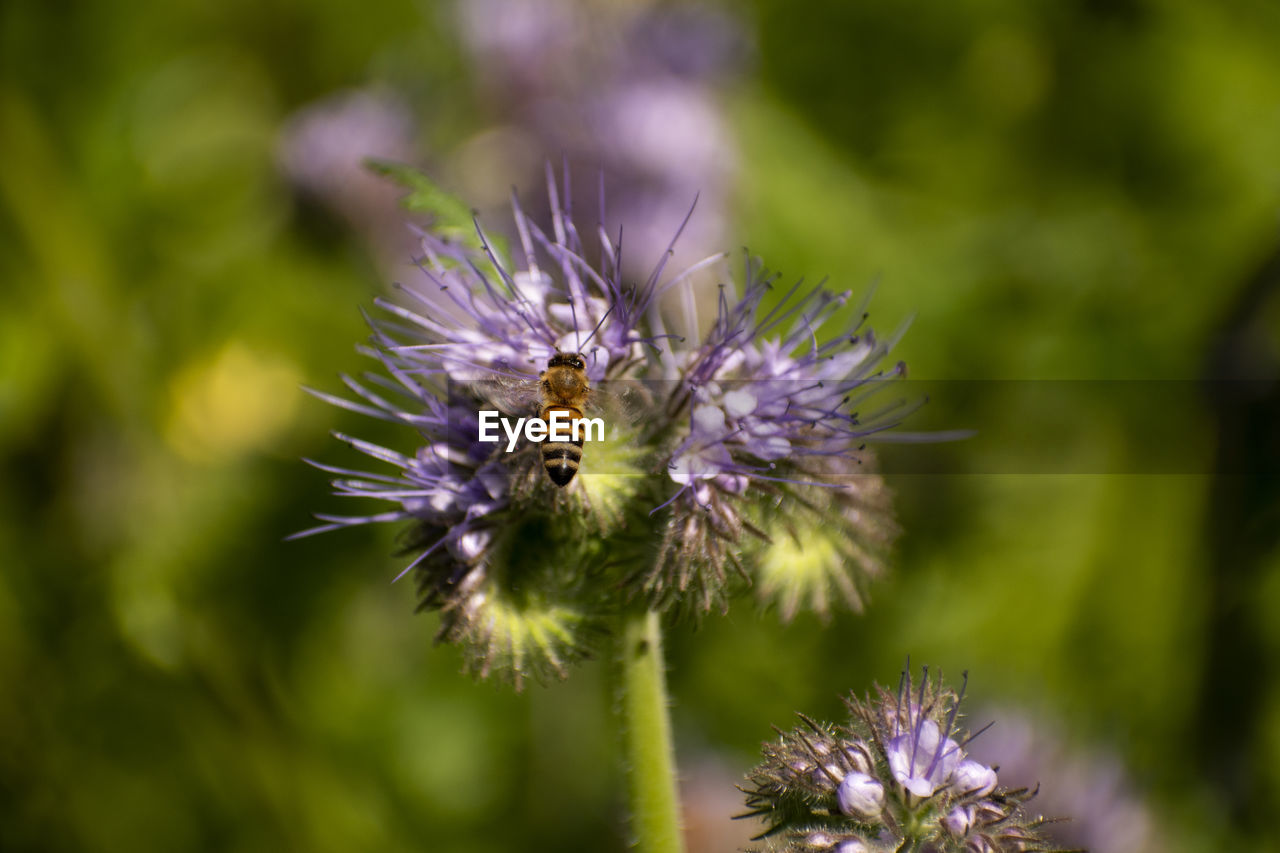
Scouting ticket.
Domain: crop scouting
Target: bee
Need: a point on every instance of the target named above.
(563, 387)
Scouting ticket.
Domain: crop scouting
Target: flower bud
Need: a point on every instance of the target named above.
(828, 774)
(972, 777)
(852, 845)
(860, 795)
(958, 820)
(859, 759)
(819, 841)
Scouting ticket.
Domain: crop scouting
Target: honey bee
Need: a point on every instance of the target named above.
(561, 396)
(563, 387)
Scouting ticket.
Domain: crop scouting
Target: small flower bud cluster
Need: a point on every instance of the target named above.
(895, 777)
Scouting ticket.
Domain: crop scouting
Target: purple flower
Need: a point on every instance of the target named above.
(921, 759)
(719, 448)
(893, 778)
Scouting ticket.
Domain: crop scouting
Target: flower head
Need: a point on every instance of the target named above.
(895, 777)
(720, 448)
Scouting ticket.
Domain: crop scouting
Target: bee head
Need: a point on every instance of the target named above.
(568, 359)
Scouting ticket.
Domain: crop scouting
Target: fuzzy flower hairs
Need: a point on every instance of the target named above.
(894, 778)
(729, 454)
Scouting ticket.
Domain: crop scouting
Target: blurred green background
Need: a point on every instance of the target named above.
(1082, 191)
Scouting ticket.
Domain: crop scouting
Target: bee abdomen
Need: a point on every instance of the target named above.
(561, 458)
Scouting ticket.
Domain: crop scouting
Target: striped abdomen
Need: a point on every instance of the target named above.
(561, 458)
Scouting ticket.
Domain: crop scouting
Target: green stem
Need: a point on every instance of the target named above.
(646, 735)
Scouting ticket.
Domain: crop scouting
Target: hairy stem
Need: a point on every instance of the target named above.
(646, 735)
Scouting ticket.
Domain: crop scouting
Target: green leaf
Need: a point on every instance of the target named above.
(451, 219)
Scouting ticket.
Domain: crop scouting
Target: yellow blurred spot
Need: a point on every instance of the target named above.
(237, 402)
(799, 569)
(1008, 71)
(612, 471)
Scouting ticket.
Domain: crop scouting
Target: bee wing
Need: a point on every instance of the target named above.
(627, 401)
(508, 395)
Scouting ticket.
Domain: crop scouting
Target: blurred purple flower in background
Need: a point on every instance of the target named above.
(1108, 813)
(323, 148)
(630, 89)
